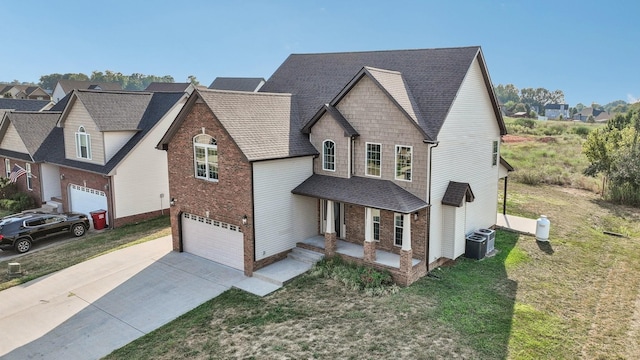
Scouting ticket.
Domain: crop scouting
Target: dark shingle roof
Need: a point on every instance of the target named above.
(114, 111)
(259, 123)
(432, 76)
(158, 106)
(456, 193)
(69, 85)
(164, 86)
(32, 127)
(337, 115)
(237, 84)
(23, 104)
(375, 193)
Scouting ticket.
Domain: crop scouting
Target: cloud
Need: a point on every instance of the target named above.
(632, 99)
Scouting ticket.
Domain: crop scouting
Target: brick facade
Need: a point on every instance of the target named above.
(21, 183)
(227, 200)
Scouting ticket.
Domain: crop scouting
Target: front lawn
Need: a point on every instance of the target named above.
(577, 296)
(46, 261)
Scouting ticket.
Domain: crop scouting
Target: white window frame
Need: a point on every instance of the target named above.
(29, 179)
(325, 156)
(366, 159)
(396, 226)
(80, 135)
(7, 167)
(494, 154)
(211, 144)
(402, 176)
(375, 220)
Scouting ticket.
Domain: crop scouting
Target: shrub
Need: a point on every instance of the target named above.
(18, 202)
(356, 277)
(7, 188)
(528, 123)
(581, 131)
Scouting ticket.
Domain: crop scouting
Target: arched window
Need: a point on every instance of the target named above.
(83, 144)
(205, 154)
(329, 155)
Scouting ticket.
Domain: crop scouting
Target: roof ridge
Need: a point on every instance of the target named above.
(124, 92)
(245, 92)
(387, 51)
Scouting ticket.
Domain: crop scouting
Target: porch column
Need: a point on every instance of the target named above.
(369, 244)
(406, 254)
(330, 238)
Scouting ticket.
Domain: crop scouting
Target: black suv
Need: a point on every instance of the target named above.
(19, 231)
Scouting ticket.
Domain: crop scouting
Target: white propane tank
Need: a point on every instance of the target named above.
(542, 228)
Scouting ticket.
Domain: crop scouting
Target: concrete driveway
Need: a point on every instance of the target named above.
(93, 308)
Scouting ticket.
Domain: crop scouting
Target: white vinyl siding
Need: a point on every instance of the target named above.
(12, 141)
(141, 180)
(281, 219)
(114, 141)
(79, 116)
(464, 156)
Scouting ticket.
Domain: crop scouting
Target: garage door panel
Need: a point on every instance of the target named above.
(85, 200)
(213, 240)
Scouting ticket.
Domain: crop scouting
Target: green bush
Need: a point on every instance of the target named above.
(18, 202)
(356, 277)
(528, 123)
(581, 131)
(7, 188)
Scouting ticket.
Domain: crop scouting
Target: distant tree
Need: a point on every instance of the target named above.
(520, 107)
(135, 81)
(540, 97)
(591, 119)
(49, 81)
(7, 95)
(579, 107)
(192, 79)
(596, 106)
(506, 93)
(573, 111)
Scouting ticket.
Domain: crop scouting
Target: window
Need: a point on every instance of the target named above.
(376, 224)
(494, 158)
(7, 167)
(83, 144)
(29, 183)
(374, 156)
(403, 162)
(398, 230)
(205, 149)
(329, 155)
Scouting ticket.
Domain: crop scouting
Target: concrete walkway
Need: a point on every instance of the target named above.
(517, 224)
(90, 309)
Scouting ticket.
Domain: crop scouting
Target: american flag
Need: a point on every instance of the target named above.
(16, 172)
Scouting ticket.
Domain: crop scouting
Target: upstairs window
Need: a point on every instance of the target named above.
(83, 144)
(404, 160)
(494, 156)
(374, 159)
(205, 150)
(329, 155)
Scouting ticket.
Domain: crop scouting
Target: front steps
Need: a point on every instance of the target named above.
(298, 262)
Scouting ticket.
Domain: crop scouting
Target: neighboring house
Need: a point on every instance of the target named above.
(24, 92)
(7, 104)
(555, 111)
(170, 87)
(237, 84)
(100, 154)
(64, 87)
(22, 135)
(393, 152)
(597, 114)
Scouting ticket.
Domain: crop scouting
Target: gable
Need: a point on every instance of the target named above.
(75, 116)
(12, 141)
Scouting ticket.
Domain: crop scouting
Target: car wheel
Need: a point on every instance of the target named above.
(22, 245)
(78, 230)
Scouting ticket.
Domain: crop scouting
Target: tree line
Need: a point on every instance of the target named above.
(532, 101)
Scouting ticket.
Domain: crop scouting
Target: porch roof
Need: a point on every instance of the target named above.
(374, 193)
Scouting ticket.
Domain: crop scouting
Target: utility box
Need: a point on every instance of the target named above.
(475, 247)
(491, 238)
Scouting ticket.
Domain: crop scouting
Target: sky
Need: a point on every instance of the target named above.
(588, 49)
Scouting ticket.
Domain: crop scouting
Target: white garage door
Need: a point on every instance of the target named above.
(213, 240)
(85, 200)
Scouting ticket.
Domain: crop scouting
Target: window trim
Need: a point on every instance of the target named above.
(403, 178)
(374, 223)
(82, 133)
(27, 168)
(325, 156)
(494, 153)
(206, 147)
(397, 216)
(7, 166)
(366, 159)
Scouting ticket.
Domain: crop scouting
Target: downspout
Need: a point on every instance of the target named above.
(504, 197)
(434, 144)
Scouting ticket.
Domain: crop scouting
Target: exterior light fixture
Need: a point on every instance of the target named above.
(244, 220)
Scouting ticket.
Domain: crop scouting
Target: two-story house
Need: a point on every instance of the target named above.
(557, 111)
(388, 158)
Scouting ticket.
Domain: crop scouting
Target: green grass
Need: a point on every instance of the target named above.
(39, 263)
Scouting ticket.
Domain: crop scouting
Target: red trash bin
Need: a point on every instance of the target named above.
(99, 218)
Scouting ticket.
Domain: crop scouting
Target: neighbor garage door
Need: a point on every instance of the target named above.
(85, 200)
(213, 240)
